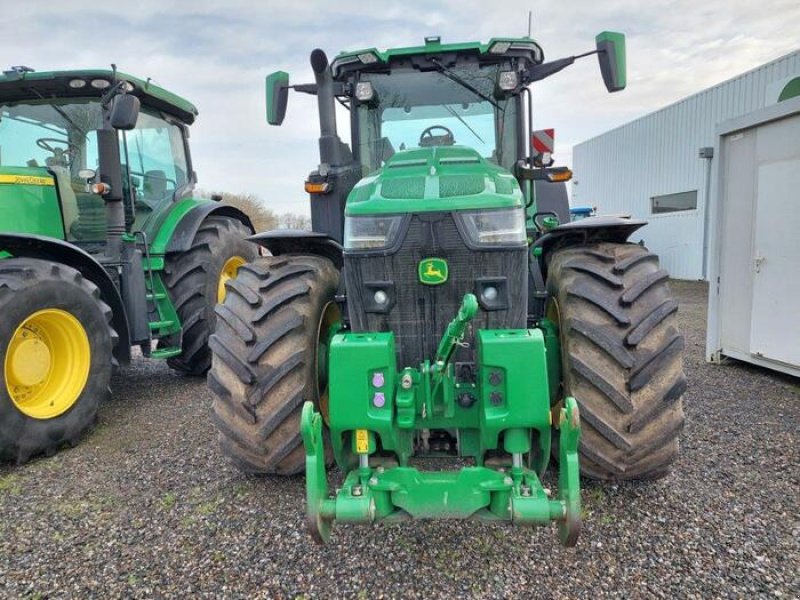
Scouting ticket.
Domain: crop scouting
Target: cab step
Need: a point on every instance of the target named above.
(165, 352)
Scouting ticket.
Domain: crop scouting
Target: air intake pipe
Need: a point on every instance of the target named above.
(331, 150)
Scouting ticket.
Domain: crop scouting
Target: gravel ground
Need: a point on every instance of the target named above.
(146, 506)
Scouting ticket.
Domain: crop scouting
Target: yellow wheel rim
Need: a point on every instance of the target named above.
(47, 363)
(229, 270)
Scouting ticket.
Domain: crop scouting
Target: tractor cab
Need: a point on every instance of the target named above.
(442, 98)
(50, 153)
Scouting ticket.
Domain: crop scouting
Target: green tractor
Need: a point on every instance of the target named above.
(433, 312)
(102, 246)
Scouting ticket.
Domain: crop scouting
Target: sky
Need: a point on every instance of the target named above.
(216, 54)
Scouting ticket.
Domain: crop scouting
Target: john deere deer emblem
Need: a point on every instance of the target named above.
(432, 271)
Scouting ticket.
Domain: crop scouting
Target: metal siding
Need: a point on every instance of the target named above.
(657, 154)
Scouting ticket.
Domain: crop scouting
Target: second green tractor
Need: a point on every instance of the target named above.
(434, 312)
(102, 246)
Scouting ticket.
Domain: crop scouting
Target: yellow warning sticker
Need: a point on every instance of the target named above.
(362, 441)
(26, 180)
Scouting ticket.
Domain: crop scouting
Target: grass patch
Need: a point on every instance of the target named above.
(207, 508)
(10, 484)
(169, 500)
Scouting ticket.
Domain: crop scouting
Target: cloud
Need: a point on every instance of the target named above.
(217, 53)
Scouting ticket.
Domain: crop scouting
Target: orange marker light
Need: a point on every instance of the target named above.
(101, 189)
(317, 188)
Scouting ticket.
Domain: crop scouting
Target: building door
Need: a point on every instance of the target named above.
(775, 324)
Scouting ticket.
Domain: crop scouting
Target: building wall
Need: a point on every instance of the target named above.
(621, 170)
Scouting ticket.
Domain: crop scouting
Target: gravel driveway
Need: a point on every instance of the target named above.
(146, 506)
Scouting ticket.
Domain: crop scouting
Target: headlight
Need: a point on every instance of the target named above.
(364, 91)
(507, 80)
(371, 233)
(494, 227)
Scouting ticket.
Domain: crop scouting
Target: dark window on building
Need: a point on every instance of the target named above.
(673, 202)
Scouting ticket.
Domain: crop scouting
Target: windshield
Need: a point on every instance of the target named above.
(412, 109)
(49, 134)
(59, 136)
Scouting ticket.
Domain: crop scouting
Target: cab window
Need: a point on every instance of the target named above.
(156, 163)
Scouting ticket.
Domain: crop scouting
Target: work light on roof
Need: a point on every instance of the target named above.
(100, 84)
(364, 91)
(499, 47)
(508, 80)
(77, 84)
(368, 58)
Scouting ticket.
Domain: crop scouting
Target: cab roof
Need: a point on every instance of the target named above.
(495, 48)
(19, 84)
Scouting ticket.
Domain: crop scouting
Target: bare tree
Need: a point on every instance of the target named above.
(294, 221)
(263, 218)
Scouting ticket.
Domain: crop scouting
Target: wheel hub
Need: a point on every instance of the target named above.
(47, 363)
(30, 364)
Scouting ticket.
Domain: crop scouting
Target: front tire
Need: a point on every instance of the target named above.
(196, 282)
(55, 350)
(265, 359)
(621, 357)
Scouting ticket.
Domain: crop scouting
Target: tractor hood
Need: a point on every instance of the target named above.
(439, 178)
(29, 202)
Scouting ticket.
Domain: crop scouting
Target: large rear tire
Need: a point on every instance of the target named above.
(265, 359)
(621, 357)
(55, 352)
(196, 281)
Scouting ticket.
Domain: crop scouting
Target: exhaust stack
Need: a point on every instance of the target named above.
(331, 149)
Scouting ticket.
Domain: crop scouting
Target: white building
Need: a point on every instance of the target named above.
(659, 167)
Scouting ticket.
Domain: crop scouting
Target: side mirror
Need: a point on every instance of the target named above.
(611, 55)
(124, 112)
(277, 90)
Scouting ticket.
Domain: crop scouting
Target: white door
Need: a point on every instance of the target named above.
(775, 324)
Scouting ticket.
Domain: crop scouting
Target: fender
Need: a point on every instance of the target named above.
(58, 251)
(181, 234)
(587, 231)
(296, 241)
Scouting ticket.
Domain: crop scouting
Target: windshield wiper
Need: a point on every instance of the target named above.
(463, 83)
(463, 122)
(61, 112)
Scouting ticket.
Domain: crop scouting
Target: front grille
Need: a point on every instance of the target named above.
(420, 312)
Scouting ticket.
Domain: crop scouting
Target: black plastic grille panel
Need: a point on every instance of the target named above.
(421, 312)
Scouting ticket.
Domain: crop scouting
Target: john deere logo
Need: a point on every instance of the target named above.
(433, 271)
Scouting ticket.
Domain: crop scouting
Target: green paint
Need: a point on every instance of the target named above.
(521, 43)
(454, 334)
(432, 271)
(161, 229)
(616, 41)
(552, 345)
(276, 91)
(29, 202)
(149, 93)
(509, 400)
(434, 179)
(791, 90)
(168, 322)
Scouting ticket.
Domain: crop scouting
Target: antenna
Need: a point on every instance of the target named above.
(530, 18)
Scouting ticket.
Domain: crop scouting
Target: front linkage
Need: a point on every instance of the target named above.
(502, 406)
